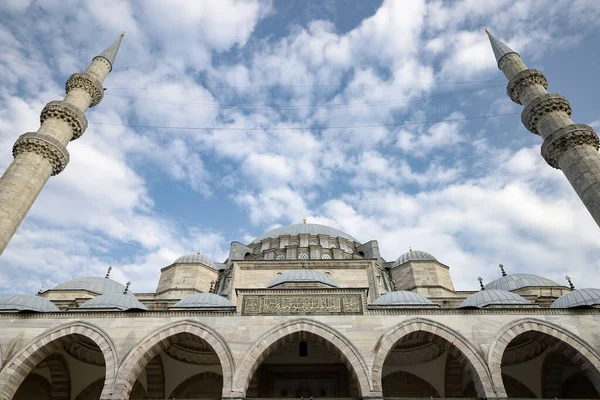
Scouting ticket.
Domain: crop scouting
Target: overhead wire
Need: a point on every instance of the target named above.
(306, 127)
(321, 105)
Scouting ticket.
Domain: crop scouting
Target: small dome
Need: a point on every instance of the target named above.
(578, 298)
(518, 281)
(414, 255)
(402, 298)
(26, 302)
(94, 284)
(122, 302)
(491, 297)
(196, 258)
(311, 229)
(302, 276)
(202, 300)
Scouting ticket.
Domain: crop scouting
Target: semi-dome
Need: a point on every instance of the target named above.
(414, 255)
(196, 258)
(493, 297)
(402, 298)
(302, 276)
(94, 284)
(121, 301)
(297, 229)
(201, 300)
(26, 302)
(518, 281)
(578, 298)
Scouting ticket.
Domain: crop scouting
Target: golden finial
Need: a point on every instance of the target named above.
(486, 30)
(123, 34)
(198, 252)
(304, 220)
(409, 248)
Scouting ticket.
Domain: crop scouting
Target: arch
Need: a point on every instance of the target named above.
(466, 351)
(583, 355)
(264, 345)
(42, 346)
(139, 356)
(180, 391)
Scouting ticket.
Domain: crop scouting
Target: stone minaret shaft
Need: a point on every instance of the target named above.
(39, 155)
(570, 147)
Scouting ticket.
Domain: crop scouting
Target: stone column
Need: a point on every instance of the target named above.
(570, 147)
(39, 155)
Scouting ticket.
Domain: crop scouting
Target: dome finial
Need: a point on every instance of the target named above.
(42, 288)
(502, 269)
(480, 279)
(108, 272)
(486, 30)
(409, 248)
(122, 34)
(304, 220)
(126, 287)
(571, 286)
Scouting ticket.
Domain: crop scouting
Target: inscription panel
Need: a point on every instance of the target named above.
(315, 304)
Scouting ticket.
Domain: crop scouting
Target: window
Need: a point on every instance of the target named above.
(303, 349)
(280, 257)
(303, 256)
(326, 257)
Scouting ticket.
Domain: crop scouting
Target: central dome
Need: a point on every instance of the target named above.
(310, 229)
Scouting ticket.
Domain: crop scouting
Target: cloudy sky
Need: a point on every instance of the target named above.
(225, 118)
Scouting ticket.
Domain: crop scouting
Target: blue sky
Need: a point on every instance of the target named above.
(475, 193)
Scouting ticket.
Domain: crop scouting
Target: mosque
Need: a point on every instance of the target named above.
(305, 310)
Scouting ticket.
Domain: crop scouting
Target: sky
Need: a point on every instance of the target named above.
(224, 119)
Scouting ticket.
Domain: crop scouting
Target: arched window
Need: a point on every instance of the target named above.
(303, 256)
(303, 349)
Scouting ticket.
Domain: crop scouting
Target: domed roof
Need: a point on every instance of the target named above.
(578, 298)
(518, 281)
(490, 297)
(26, 302)
(111, 301)
(414, 255)
(302, 276)
(93, 284)
(200, 300)
(196, 258)
(402, 298)
(311, 229)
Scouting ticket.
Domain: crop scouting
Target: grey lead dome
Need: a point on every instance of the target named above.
(26, 302)
(195, 259)
(578, 298)
(492, 297)
(302, 276)
(122, 302)
(518, 281)
(414, 255)
(201, 300)
(297, 229)
(93, 284)
(402, 298)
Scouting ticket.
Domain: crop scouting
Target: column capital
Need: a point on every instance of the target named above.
(541, 106)
(565, 138)
(523, 79)
(68, 113)
(44, 145)
(85, 81)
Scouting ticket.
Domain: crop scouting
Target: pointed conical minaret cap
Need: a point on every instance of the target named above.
(111, 51)
(500, 49)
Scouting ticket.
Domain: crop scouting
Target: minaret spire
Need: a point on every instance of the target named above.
(39, 155)
(570, 147)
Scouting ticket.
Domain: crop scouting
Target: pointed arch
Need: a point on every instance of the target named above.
(580, 352)
(45, 344)
(466, 351)
(141, 354)
(264, 345)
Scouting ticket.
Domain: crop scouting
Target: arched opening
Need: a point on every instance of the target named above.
(69, 364)
(183, 364)
(424, 365)
(303, 364)
(535, 364)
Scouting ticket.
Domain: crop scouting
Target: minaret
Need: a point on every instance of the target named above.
(39, 155)
(570, 147)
